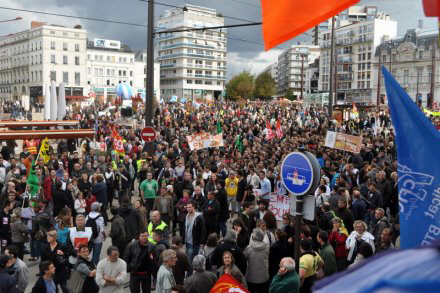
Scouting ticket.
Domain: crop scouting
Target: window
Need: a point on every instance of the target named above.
(52, 59)
(52, 45)
(208, 82)
(88, 56)
(53, 76)
(108, 71)
(64, 59)
(198, 82)
(96, 71)
(124, 73)
(420, 54)
(384, 58)
(76, 60)
(89, 70)
(65, 77)
(64, 46)
(76, 47)
(41, 58)
(189, 81)
(108, 81)
(77, 78)
(109, 58)
(405, 76)
(131, 72)
(119, 72)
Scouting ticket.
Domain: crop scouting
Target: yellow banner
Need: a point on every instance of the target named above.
(431, 112)
(44, 150)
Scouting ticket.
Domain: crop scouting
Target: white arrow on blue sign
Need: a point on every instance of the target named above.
(298, 172)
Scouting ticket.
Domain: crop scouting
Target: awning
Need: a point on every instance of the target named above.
(77, 97)
(37, 123)
(50, 134)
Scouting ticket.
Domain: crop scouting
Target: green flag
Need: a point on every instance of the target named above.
(219, 127)
(239, 144)
(32, 181)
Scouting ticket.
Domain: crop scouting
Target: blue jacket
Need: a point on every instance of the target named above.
(100, 192)
(7, 282)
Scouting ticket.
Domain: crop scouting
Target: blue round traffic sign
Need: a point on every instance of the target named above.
(299, 173)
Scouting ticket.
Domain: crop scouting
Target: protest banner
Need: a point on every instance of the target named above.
(228, 284)
(204, 140)
(279, 205)
(344, 142)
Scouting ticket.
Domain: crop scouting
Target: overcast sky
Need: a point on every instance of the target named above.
(241, 55)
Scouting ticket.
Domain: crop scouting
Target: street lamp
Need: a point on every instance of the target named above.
(14, 19)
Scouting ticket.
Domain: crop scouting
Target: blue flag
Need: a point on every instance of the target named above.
(418, 156)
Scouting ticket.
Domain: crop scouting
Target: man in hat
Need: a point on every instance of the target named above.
(263, 213)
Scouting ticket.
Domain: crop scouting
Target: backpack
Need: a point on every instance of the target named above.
(91, 222)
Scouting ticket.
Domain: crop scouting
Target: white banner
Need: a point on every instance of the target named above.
(204, 140)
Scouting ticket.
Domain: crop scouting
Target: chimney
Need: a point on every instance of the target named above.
(420, 26)
(37, 23)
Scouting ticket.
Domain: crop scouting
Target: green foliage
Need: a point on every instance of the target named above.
(264, 86)
(241, 85)
(289, 95)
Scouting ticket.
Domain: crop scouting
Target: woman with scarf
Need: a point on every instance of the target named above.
(337, 239)
(356, 238)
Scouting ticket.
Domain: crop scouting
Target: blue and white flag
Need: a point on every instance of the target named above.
(418, 153)
(173, 99)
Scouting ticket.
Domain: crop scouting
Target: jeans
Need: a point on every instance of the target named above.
(223, 228)
(191, 251)
(96, 253)
(39, 244)
(140, 281)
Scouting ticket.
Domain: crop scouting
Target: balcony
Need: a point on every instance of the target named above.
(189, 75)
(189, 35)
(177, 45)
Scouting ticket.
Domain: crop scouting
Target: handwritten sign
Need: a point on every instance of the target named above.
(279, 205)
(342, 141)
(204, 140)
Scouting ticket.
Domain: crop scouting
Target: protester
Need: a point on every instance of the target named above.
(257, 255)
(310, 264)
(58, 255)
(45, 282)
(111, 272)
(19, 268)
(87, 268)
(286, 280)
(201, 281)
(165, 279)
(230, 268)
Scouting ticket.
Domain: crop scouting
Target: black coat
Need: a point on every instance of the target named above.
(40, 286)
(347, 217)
(199, 230)
(131, 218)
(134, 255)
(211, 211)
(237, 253)
(60, 262)
(222, 198)
(99, 190)
(278, 250)
(60, 200)
(8, 283)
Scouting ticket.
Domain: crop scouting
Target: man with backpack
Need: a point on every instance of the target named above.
(95, 221)
(379, 223)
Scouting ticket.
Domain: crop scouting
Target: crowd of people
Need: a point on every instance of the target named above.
(180, 219)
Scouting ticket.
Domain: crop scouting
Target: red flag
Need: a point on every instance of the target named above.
(285, 19)
(226, 284)
(270, 135)
(431, 7)
(279, 129)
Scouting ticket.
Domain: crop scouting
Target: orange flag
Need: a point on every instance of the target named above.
(285, 19)
(226, 284)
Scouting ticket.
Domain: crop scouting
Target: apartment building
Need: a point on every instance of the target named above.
(192, 63)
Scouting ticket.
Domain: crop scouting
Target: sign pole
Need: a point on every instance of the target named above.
(298, 220)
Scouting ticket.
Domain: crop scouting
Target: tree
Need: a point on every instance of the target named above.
(264, 86)
(289, 95)
(240, 85)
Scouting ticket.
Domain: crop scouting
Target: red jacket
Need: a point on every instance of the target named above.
(48, 188)
(337, 240)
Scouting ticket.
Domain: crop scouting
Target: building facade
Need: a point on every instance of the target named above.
(140, 75)
(193, 63)
(290, 68)
(351, 15)
(410, 60)
(355, 45)
(31, 59)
